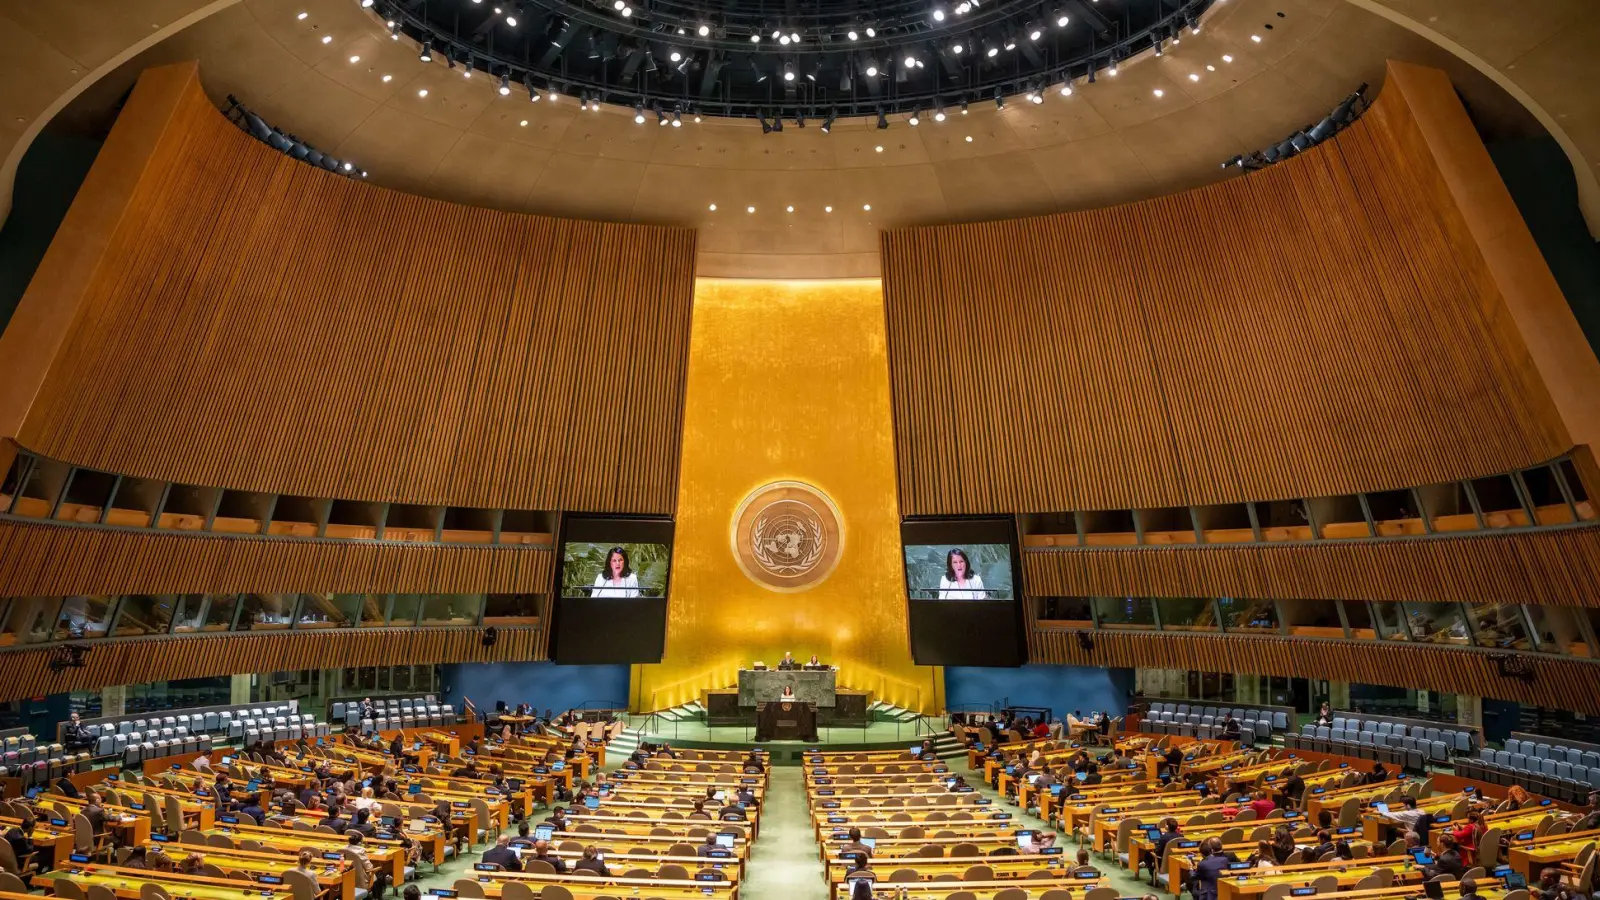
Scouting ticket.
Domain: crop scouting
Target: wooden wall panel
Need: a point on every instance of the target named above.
(1548, 568)
(1558, 683)
(25, 673)
(1321, 327)
(50, 560)
(258, 323)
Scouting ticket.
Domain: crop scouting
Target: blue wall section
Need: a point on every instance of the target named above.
(1062, 688)
(543, 684)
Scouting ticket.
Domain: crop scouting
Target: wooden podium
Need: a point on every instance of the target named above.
(786, 720)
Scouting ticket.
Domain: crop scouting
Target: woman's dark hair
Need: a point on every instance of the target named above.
(950, 559)
(627, 567)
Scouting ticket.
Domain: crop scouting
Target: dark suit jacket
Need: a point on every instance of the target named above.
(556, 862)
(504, 857)
(785, 665)
(592, 865)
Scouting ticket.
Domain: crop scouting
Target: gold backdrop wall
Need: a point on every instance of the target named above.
(788, 381)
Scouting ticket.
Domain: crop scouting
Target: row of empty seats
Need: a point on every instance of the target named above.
(395, 713)
(1206, 721)
(134, 752)
(1544, 764)
(35, 763)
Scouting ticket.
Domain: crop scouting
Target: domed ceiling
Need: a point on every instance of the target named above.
(802, 202)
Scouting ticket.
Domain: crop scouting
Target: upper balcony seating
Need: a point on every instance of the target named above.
(393, 713)
(1410, 743)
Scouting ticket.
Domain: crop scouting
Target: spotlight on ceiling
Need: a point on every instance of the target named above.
(1035, 32)
(999, 101)
(938, 113)
(851, 35)
(661, 118)
(512, 13)
(1066, 88)
(638, 113)
(827, 124)
(910, 61)
(800, 120)
(1062, 18)
(505, 85)
(755, 38)
(938, 14)
(766, 127)
(990, 50)
(788, 71)
(533, 92)
(883, 120)
(677, 119)
(872, 67)
(871, 32)
(427, 52)
(703, 30)
(915, 119)
(394, 31)
(956, 48)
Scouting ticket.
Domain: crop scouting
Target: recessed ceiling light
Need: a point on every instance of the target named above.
(355, 59)
(867, 207)
(328, 39)
(969, 138)
(789, 209)
(827, 209)
(1159, 92)
(1210, 68)
(523, 123)
(1256, 38)
(1194, 76)
(1227, 58)
(387, 79)
(749, 209)
(423, 92)
(878, 149)
(713, 207)
(302, 16)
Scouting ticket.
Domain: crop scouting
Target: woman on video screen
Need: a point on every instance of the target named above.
(616, 578)
(959, 581)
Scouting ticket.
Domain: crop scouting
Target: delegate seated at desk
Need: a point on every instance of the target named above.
(787, 664)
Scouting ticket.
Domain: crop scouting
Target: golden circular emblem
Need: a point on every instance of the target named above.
(787, 536)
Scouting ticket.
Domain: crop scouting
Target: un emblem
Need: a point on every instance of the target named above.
(787, 536)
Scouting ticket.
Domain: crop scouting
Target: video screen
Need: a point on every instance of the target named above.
(963, 593)
(623, 569)
(611, 601)
(958, 572)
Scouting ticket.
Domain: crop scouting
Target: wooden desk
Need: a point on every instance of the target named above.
(938, 890)
(384, 854)
(889, 849)
(1531, 857)
(589, 888)
(336, 876)
(126, 883)
(571, 841)
(1348, 871)
(130, 826)
(1006, 868)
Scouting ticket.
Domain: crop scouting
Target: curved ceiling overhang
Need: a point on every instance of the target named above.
(1111, 142)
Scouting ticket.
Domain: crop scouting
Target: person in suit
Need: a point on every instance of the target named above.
(95, 812)
(788, 662)
(1448, 862)
(1215, 862)
(732, 810)
(1324, 846)
(1469, 890)
(67, 788)
(75, 735)
(368, 711)
(591, 862)
(541, 851)
(333, 821)
(373, 881)
(252, 808)
(20, 837)
(708, 847)
(1152, 858)
(502, 855)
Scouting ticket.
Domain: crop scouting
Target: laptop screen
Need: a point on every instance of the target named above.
(726, 841)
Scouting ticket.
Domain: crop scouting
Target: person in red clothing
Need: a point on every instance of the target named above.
(1041, 730)
(1262, 804)
(1467, 835)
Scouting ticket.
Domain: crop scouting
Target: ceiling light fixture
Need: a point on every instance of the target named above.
(427, 52)
(638, 113)
(883, 122)
(938, 114)
(505, 85)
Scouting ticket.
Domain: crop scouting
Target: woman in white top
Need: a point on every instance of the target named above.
(959, 581)
(617, 578)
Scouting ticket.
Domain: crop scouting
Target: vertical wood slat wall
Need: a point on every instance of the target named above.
(257, 323)
(1552, 568)
(1321, 327)
(1558, 683)
(51, 560)
(26, 672)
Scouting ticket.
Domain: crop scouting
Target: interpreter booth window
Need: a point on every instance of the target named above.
(204, 612)
(1499, 625)
(1248, 616)
(374, 610)
(318, 611)
(1560, 629)
(435, 609)
(1312, 617)
(29, 620)
(1390, 619)
(1066, 611)
(267, 612)
(511, 608)
(1125, 612)
(1437, 623)
(1358, 616)
(144, 614)
(1188, 614)
(83, 617)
